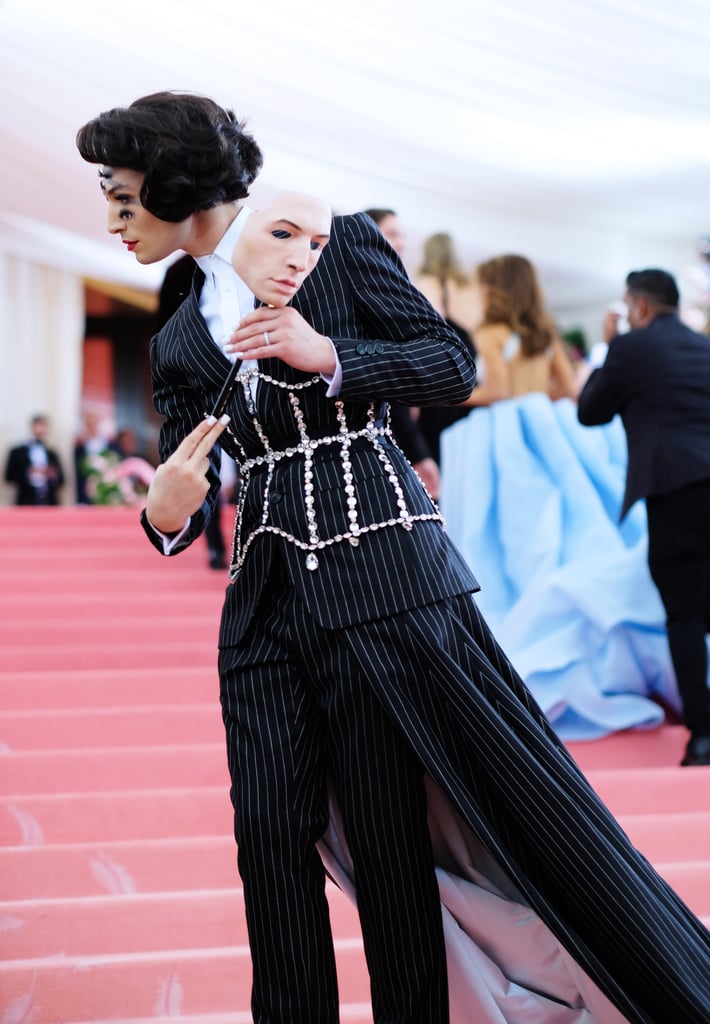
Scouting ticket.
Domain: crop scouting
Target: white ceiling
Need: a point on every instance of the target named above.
(575, 133)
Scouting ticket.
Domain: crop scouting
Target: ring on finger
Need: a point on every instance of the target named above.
(267, 339)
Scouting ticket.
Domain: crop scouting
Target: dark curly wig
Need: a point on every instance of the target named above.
(193, 153)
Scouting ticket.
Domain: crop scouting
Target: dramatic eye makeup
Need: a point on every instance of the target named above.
(291, 230)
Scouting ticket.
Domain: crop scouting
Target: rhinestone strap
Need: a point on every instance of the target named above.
(306, 447)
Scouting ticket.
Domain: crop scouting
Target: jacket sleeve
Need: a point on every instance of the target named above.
(56, 464)
(407, 352)
(182, 409)
(606, 391)
(16, 467)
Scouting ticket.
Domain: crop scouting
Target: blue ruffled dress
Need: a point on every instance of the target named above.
(532, 498)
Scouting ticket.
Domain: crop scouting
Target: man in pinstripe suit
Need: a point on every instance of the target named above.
(351, 651)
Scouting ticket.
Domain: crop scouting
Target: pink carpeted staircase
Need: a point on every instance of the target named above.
(119, 895)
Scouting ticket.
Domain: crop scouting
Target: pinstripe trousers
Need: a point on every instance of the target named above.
(372, 704)
(297, 712)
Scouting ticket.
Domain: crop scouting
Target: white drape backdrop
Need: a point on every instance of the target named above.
(41, 338)
(577, 134)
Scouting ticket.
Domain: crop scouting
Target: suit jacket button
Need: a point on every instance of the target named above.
(275, 497)
(371, 349)
(379, 348)
(361, 349)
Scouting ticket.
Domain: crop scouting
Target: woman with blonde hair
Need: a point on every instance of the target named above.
(532, 499)
(453, 294)
(442, 279)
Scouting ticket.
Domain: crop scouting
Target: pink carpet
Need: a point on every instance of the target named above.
(119, 895)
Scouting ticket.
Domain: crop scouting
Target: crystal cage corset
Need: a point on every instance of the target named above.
(258, 471)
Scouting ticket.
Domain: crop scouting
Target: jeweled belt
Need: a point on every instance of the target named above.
(354, 529)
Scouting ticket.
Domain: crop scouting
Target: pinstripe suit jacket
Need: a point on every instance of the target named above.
(391, 345)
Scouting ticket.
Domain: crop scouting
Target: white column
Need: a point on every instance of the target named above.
(41, 339)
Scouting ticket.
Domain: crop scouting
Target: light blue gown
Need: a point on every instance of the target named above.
(532, 499)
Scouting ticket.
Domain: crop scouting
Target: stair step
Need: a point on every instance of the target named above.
(140, 922)
(134, 865)
(350, 1013)
(97, 655)
(145, 922)
(137, 814)
(86, 728)
(669, 837)
(168, 982)
(90, 603)
(692, 883)
(40, 561)
(106, 627)
(632, 791)
(637, 748)
(105, 686)
(169, 573)
(652, 790)
(175, 864)
(118, 768)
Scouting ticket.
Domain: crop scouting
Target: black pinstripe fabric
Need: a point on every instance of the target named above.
(296, 711)
(443, 678)
(357, 290)
(394, 618)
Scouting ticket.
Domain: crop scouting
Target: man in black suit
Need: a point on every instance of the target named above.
(352, 656)
(657, 378)
(34, 468)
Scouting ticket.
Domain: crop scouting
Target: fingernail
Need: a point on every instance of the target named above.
(211, 420)
(224, 420)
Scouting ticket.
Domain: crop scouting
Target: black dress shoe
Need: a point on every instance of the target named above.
(697, 752)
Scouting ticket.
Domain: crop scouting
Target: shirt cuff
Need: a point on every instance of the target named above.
(334, 380)
(169, 543)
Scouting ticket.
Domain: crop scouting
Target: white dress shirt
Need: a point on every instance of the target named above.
(39, 460)
(225, 299)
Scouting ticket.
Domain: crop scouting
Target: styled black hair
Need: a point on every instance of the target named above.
(658, 286)
(193, 153)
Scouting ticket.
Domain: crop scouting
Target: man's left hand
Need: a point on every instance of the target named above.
(285, 334)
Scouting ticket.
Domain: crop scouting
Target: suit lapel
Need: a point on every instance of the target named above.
(196, 341)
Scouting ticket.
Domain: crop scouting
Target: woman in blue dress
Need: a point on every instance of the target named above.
(532, 499)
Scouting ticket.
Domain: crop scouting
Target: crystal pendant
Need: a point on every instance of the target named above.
(311, 562)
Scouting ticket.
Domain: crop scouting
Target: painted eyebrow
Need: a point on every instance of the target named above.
(108, 186)
(292, 224)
